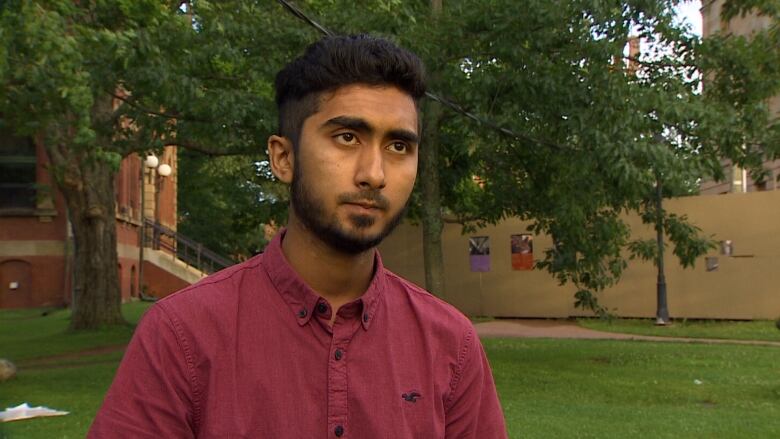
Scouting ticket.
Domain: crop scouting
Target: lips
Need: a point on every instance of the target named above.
(369, 200)
(367, 206)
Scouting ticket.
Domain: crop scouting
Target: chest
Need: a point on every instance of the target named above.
(341, 384)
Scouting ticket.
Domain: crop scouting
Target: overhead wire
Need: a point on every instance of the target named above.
(291, 8)
(298, 13)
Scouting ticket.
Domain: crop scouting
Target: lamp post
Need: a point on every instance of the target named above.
(149, 164)
(662, 310)
(163, 170)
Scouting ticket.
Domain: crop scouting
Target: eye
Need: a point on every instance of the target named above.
(398, 147)
(346, 138)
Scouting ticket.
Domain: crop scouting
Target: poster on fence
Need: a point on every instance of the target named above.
(479, 253)
(522, 252)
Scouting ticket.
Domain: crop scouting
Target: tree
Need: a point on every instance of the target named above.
(536, 101)
(564, 136)
(561, 135)
(100, 80)
(226, 201)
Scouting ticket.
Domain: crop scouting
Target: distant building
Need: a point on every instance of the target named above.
(737, 179)
(36, 244)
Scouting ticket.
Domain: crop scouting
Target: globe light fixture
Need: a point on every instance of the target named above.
(164, 170)
(151, 161)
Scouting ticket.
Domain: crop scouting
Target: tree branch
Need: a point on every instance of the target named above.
(176, 115)
(171, 116)
(452, 219)
(657, 64)
(212, 152)
(505, 131)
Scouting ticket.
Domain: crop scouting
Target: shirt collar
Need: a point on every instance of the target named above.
(302, 299)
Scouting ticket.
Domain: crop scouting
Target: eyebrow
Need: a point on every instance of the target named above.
(404, 135)
(353, 123)
(359, 124)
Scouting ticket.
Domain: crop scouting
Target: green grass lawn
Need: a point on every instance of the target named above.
(626, 389)
(735, 330)
(548, 388)
(27, 334)
(65, 382)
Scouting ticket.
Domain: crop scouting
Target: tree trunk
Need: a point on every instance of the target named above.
(433, 258)
(431, 199)
(87, 184)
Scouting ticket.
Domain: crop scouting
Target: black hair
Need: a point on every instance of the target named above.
(337, 61)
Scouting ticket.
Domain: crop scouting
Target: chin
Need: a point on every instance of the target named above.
(351, 232)
(352, 242)
(363, 233)
(362, 223)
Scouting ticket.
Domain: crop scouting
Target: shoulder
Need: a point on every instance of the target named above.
(437, 315)
(218, 293)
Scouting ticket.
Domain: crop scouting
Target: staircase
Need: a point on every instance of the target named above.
(186, 250)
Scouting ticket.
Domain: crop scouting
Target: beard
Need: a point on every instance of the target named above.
(312, 213)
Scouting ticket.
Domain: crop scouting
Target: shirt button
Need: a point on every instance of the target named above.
(338, 431)
(302, 313)
(365, 317)
(338, 354)
(322, 308)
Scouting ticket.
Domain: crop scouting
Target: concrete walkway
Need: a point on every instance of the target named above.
(535, 328)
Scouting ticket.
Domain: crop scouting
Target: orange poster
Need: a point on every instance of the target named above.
(522, 252)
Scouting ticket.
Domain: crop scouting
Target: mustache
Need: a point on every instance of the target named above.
(365, 197)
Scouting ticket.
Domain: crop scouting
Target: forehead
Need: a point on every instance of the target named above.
(386, 107)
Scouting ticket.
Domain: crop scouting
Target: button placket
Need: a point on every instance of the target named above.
(342, 331)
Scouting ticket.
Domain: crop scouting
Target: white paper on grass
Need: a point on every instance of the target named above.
(24, 411)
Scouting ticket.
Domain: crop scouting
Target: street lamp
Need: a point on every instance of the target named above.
(150, 163)
(164, 170)
(662, 309)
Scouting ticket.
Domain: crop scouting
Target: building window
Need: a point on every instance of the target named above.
(17, 170)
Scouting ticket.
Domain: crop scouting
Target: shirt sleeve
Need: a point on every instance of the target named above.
(152, 392)
(472, 409)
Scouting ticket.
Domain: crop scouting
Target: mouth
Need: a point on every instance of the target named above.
(366, 206)
(365, 202)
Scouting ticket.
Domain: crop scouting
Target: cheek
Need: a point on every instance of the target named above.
(323, 170)
(333, 175)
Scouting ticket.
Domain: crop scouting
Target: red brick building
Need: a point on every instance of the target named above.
(36, 245)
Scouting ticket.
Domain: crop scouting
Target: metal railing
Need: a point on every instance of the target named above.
(185, 249)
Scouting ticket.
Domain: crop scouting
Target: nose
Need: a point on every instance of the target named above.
(370, 172)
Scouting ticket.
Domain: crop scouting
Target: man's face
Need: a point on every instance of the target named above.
(355, 166)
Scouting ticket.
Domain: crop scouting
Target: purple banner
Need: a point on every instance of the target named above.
(479, 253)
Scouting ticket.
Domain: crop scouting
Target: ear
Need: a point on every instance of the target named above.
(281, 156)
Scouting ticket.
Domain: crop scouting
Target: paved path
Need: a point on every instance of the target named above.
(535, 328)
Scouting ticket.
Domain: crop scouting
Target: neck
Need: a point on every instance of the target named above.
(336, 276)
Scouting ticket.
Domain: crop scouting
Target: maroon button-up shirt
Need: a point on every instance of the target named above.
(249, 352)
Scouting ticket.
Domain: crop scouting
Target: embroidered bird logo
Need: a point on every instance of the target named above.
(411, 396)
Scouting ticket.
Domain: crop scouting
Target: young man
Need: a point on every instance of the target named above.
(315, 338)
